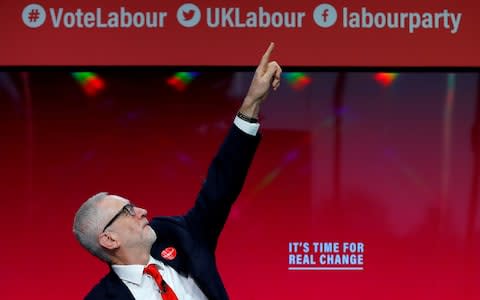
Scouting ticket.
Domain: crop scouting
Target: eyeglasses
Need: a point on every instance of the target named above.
(128, 209)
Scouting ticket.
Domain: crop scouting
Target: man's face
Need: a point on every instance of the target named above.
(129, 224)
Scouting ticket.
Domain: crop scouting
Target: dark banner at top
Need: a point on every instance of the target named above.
(229, 33)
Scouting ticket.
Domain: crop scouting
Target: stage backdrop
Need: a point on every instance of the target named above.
(205, 33)
(364, 186)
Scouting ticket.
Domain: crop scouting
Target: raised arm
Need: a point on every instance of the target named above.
(228, 170)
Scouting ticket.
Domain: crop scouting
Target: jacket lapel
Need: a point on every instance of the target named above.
(185, 265)
(179, 262)
(116, 289)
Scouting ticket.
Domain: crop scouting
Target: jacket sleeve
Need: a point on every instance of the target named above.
(225, 178)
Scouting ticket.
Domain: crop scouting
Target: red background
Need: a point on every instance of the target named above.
(175, 45)
(142, 139)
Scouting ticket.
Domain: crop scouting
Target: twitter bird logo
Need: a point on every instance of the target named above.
(188, 15)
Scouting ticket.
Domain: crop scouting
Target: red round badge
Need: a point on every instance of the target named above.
(169, 253)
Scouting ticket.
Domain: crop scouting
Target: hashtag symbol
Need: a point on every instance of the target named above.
(33, 15)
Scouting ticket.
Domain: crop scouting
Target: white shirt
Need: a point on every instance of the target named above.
(249, 128)
(143, 286)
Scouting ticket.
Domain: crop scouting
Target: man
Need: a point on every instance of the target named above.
(174, 257)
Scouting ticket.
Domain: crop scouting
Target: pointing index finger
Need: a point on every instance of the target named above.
(266, 57)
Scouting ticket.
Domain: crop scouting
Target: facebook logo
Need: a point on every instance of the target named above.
(325, 15)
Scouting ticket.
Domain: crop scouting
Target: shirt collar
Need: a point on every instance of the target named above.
(134, 273)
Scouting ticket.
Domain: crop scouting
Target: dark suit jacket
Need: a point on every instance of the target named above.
(195, 234)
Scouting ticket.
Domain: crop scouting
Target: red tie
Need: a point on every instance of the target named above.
(165, 290)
